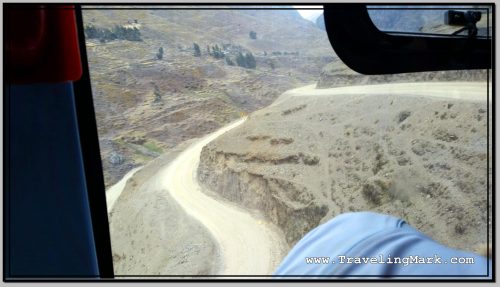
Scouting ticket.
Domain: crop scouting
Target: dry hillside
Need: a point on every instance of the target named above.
(146, 106)
(306, 159)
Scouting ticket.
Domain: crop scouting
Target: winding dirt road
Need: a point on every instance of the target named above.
(248, 245)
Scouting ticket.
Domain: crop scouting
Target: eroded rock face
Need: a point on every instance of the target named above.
(305, 160)
(285, 203)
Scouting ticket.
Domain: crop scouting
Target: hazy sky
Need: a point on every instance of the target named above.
(309, 14)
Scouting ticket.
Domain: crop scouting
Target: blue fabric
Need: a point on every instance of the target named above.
(49, 230)
(370, 235)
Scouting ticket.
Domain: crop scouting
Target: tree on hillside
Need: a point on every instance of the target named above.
(91, 31)
(156, 93)
(107, 35)
(253, 35)
(217, 52)
(246, 60)
(240, 60)
(159, 55)
(118, 32)
(124, 33)
(196, 49)
(133, 34)
(250, 61)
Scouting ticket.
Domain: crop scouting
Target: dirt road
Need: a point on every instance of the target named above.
(248, 245)
(468, 91)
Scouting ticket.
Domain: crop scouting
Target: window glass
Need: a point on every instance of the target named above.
(429, 19)
(229, 132)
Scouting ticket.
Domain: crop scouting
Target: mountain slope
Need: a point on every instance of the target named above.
(146, 106)
(413, 150)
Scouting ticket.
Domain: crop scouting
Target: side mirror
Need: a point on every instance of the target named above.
(467, 19)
